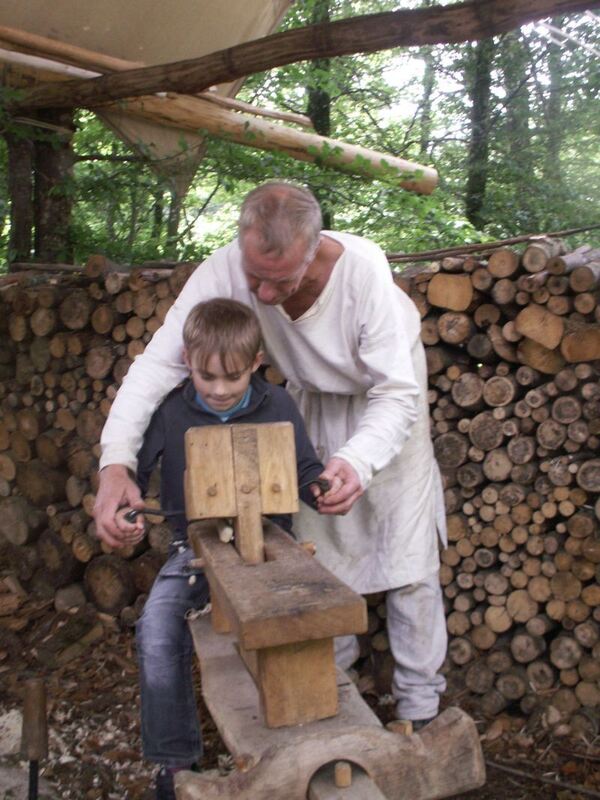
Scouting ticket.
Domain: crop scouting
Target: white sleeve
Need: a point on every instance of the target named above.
(158, 369)
(388, 329)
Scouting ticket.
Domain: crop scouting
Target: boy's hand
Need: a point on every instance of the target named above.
(345, 488)
(116, 490)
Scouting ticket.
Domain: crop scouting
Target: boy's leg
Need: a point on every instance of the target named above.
(418, 639)
(170, 729)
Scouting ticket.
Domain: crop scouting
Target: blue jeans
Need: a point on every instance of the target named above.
(170, 727)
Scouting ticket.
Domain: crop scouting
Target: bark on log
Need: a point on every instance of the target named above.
(109, 583)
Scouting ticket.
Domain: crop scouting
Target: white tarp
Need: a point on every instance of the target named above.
(151, 32)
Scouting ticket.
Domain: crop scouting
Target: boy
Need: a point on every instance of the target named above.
(222, 341)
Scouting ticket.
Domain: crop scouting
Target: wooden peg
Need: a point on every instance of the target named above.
(342, 774)
(402, 726)
(34, 738)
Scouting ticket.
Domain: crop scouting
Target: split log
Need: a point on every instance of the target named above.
(582, 344)
(454, 292)
(539, 357)
(539, 325)
(20, 521)
(538, 254)
(108, 582)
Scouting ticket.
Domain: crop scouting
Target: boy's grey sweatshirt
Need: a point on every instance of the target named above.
(179, 411)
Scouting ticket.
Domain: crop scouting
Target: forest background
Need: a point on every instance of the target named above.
(511, 123)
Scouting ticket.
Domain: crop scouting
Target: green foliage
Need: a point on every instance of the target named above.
(542, 145)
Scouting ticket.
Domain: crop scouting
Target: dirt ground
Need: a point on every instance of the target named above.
(94, 734)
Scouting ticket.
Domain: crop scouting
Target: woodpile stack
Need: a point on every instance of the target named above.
(66, 342)
(513, 353)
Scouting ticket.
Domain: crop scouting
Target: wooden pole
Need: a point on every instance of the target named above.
(196, 113)
(34, 739)
(42, 46)
(365, 34)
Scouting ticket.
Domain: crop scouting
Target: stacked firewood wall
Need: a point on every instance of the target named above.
(66, 344)
(513, 351)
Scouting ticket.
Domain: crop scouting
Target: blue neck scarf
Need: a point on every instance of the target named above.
(225, 415)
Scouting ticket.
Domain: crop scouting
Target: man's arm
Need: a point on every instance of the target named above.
(345, 485)
(388, 334)
(151, 376)
(119, 482)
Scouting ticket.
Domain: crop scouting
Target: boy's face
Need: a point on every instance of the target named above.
(222, 387)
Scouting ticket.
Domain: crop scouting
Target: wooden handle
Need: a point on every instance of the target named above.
(34, 737)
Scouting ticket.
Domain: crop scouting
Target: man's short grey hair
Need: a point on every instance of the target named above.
(281, 214)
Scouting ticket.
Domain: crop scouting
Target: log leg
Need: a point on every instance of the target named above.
(444, 760)
(297, 682)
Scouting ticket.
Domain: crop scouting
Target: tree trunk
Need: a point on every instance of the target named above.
(319, 106)
(477, 164)
(426, 115)
(53, 193)
(20, 189)
(515, 59)
(553, 122)
(458, 22)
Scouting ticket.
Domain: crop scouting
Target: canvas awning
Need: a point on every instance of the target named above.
(150, 32)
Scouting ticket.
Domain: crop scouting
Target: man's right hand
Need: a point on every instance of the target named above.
(116, 489)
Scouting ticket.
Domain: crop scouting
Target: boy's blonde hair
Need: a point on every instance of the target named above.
(225, 327)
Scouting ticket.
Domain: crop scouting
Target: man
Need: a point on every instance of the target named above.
(348, 342)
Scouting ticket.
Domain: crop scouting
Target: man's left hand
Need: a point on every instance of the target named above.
(345, 488)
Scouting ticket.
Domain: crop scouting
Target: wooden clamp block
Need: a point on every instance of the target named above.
(285, 613)
(243, 472)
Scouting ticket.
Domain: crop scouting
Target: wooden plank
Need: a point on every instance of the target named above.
(209, 475)
(220, 621)
(247, 523)
(278, 470)
(297, 682)
(459, 22)
(237, 713)
(322, 786)
(291, 599)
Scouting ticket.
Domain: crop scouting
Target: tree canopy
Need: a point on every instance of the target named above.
(511, 123)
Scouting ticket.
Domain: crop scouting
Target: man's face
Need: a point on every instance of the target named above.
(222, 386)
(273, 278)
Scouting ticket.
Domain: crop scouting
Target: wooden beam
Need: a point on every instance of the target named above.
(261, 607)
(44, 47)
(458, 22)
(194, 113)
(259, 111)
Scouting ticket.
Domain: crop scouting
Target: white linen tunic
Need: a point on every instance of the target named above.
(356, 367)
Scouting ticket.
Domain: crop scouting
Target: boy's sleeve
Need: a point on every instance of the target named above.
(307, 462)
(151, 450)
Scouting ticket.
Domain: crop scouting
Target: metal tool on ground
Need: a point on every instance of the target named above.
(266, 654)
(34, 738)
